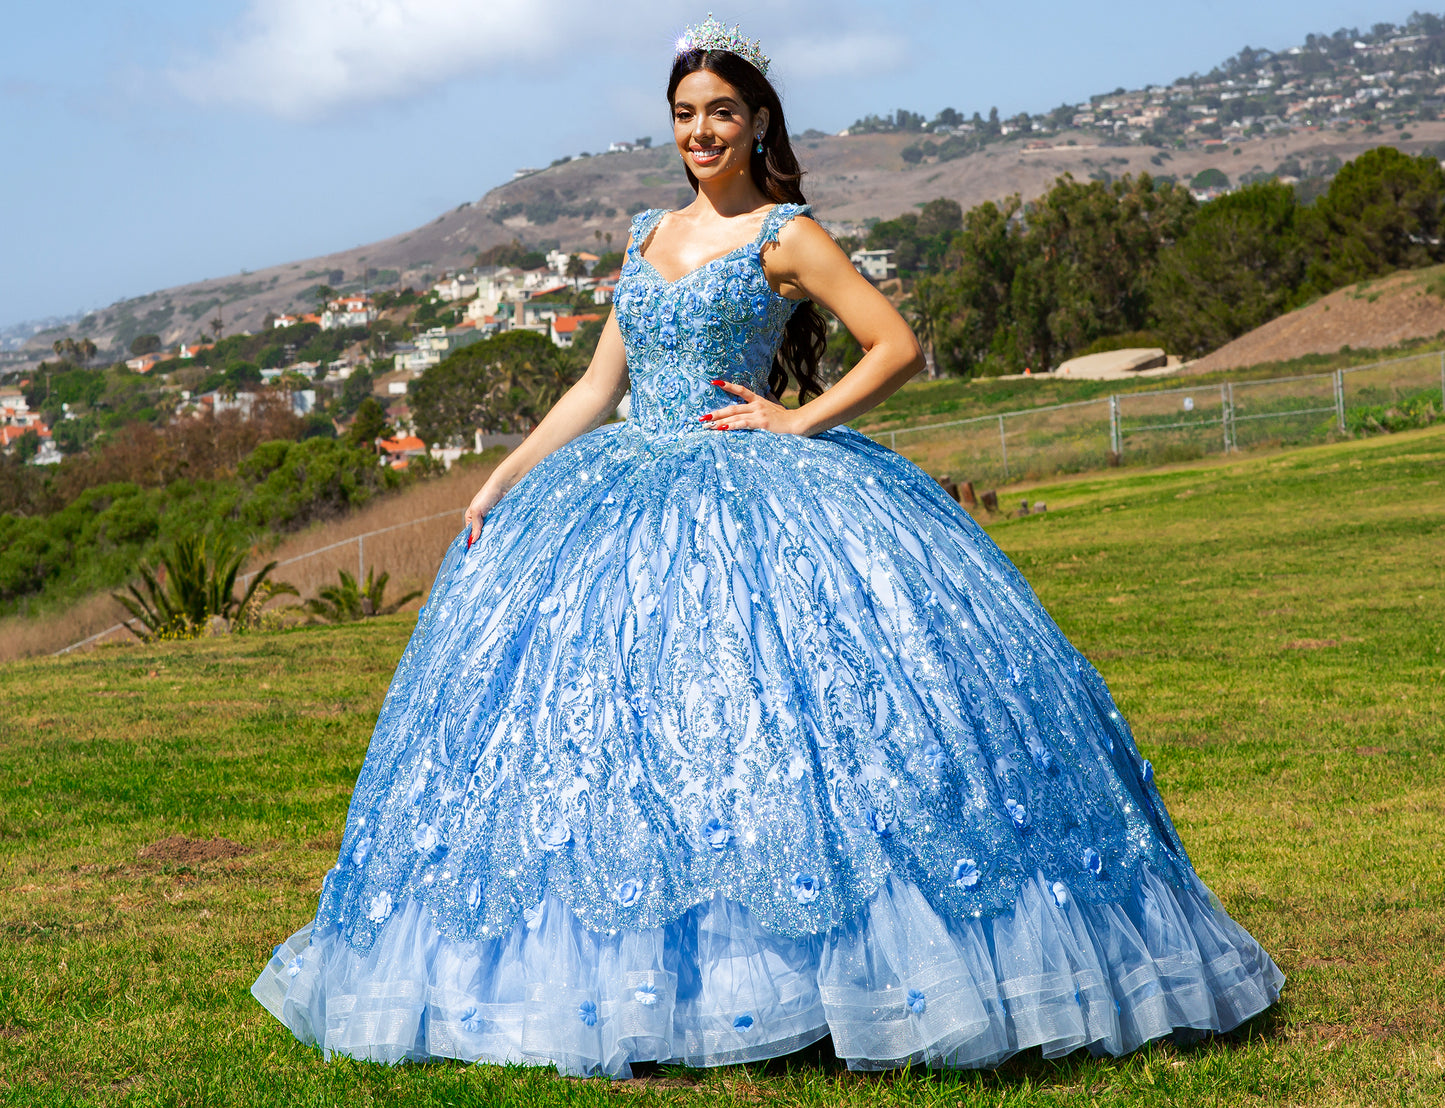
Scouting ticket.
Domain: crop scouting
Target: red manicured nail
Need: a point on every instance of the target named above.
(718, 381)
(722, 426)
(469, 540)
(705, 417)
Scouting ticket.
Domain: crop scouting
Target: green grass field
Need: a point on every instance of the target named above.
(1274, 627)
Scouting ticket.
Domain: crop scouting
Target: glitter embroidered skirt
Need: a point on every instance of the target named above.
(716, 743)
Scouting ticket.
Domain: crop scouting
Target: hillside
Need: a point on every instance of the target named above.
(1372, 315)
(851, 179)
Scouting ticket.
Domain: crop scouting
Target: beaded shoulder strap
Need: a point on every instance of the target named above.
(642, 224)
(780, 216)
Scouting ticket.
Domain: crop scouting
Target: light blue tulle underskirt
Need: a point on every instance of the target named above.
(897, 985)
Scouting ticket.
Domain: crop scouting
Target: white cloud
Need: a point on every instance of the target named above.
(304, 59)
(308, 58)
(842, 53)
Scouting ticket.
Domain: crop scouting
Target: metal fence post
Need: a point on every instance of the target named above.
(1003, 447)
(893, 441)
(1233, 439)
(1340, 399)
(1224, 416)
(360, 557)
(1116, 436)
(1442, 379)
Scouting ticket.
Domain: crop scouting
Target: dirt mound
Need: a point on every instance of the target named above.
(1372, 315)
(179, 849)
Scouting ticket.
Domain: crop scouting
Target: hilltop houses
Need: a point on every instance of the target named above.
(348, 311)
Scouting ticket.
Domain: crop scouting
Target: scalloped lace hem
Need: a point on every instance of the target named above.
(897, 985)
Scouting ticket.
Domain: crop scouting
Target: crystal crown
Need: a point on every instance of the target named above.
(712, 35)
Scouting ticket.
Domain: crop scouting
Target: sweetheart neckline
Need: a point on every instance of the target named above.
(696, 269)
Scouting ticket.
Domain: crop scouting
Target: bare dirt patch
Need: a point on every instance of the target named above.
(1310, 644)
(1372, 315)
(329, 841)
(178, 849)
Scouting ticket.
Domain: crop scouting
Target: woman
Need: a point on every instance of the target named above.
(725, 729)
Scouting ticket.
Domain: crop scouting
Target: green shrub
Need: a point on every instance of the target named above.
(1373, 419)
(196, 582)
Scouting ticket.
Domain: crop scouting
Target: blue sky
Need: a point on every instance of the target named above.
(159, 141)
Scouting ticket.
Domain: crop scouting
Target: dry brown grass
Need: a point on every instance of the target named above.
(411, 554)
(1372, 315)
(25, 637)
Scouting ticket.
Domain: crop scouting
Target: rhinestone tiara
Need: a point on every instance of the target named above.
(712, 35)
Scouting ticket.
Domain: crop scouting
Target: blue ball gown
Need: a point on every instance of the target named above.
(717, 743)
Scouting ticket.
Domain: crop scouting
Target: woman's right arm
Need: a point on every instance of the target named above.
(583, 407)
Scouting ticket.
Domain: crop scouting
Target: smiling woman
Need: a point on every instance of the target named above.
(725, 730)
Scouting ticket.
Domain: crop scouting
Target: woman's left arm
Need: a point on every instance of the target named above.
(807, 263)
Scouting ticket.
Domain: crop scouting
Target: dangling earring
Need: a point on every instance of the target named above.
(759, 147)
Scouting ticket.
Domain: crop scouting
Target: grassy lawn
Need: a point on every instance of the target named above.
(1274, 627)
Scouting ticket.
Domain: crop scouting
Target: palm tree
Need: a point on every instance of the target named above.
(924, 310)
(576, 269)
(348, 602)
(195, 581)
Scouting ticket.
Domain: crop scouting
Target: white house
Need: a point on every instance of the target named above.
(144, 363)
(430, 347)
(492, 288)
(876, 265)
(562, 329)
(461, 287)
(539, 282)
(348, 311)
(15, 409)
(558, 261)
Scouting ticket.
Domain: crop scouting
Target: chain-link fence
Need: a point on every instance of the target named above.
(1176, 424)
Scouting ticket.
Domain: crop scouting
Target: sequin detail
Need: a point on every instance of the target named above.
(681, 663)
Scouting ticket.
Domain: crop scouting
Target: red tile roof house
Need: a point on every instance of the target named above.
(399, 452)
(145, 362)
(564, 328)
(15, 409)
(8, 435)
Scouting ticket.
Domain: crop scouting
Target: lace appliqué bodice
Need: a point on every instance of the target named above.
(722, 319)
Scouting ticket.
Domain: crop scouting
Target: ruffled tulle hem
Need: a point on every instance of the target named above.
(897, 985)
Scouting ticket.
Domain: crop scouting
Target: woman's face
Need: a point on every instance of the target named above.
(712, 126)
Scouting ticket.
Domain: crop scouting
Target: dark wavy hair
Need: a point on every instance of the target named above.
(777, 174)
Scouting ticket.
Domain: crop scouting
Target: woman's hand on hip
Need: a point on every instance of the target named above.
(485, 500)
(752, 413)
